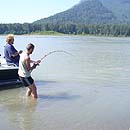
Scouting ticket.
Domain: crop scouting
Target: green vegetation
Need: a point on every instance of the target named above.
(59, 29)
(87, 12)
(120, 9)
(93, 12)
(89, 17)
(46, 33)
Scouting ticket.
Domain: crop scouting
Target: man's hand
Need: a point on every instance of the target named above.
(34, 66)
(20, 52)
(37, 62)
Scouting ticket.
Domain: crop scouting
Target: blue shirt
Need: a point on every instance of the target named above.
(8, 51)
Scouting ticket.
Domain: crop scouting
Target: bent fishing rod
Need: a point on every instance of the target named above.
(51, 52)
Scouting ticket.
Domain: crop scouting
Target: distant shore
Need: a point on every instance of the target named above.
(62, 34)
(53, 33)
(46, 33)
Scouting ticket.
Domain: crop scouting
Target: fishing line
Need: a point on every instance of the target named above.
(51, 52)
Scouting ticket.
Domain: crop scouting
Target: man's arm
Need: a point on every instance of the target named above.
(29, 67)
(16, 53)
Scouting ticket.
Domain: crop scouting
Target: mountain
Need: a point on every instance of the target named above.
(120, 8)
(93, 12)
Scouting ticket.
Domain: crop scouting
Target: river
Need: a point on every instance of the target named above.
(88, 90)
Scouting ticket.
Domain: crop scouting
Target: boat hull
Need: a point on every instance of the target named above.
(9, 76)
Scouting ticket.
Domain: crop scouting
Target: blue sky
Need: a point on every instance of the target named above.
(20, 11)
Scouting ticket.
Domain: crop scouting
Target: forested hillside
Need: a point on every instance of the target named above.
(94, 17)
(86, 12)
(93, 12)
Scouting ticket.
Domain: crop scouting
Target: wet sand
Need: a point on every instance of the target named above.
(66, 106)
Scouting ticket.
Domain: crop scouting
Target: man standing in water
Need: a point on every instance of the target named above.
(11, 54)
(25, 70)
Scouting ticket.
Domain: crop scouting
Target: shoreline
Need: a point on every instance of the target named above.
(53, 33)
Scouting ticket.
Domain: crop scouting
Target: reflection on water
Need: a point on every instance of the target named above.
(17, 110)
(21, 114)
(66, 105)
(87, 91)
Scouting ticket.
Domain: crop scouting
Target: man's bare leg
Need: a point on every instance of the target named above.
(28, 92)
(34, 91)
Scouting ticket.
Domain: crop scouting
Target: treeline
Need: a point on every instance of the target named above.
(67, 28)
(103, 29)
(18, 28)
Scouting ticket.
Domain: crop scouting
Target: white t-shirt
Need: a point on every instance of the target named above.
(23, 72)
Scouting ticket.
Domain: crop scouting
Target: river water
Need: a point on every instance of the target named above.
(88, 90)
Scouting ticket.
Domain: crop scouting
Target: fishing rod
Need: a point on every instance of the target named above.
(51, 52)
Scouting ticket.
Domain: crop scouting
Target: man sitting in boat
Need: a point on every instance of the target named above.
(11, 54)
